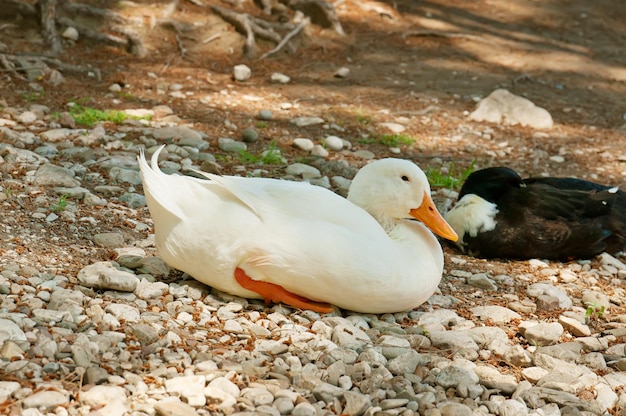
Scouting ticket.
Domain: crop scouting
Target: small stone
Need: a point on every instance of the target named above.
(249, 135)
(109, 239)
(46, 400)
(342, 72)
(241, 72)
(27, 117)
(356, 403)
(303, 144)
(104, 275)
(115, 87)
(279, 78)
(174, 408)
(265, 114)
(303, 170)
(333, 143)
(318, 150)
(231, 146)
(70, 33)
(545, 333)
(306, 121)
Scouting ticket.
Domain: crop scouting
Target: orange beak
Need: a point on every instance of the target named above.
(428, 214)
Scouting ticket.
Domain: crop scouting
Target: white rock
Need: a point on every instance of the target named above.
(303, 170)
(242, 72)
(10, 331)
(124, 312)
(70, 33)
(544, 333)
(319, 150)
(306, 121)
(46, 400)
(7, 388)
(342, 72)
(333, 143)
(499, 314)
(393, 127)
(99, 395)
(501, 106)
(104, 275)
(512, 408)
(279, 78)
(27, 117)
(303, 144)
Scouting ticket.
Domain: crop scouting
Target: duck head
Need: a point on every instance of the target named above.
(491, 183)
(394, 189)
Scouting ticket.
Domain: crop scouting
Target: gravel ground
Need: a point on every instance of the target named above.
(92, 322)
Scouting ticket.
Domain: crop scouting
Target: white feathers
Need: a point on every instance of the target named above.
(471, 215)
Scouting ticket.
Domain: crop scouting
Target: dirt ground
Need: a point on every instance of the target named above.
(424, 61)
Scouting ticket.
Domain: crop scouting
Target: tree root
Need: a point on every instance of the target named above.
(317, 11)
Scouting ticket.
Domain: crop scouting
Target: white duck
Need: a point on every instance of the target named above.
(301, 244)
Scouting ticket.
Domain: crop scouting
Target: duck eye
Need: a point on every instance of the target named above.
(405, 178)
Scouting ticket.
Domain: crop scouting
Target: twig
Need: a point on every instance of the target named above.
(288, 37)
(443, 35)
(10, 67)
(82, 9)
(92, 34)
(241, 22)
(212, 38)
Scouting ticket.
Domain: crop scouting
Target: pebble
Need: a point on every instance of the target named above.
(333, 143)
(303, 144)
(249, 135)
(279, 78)
(241, 72)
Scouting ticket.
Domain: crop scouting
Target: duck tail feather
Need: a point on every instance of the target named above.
(157, 186)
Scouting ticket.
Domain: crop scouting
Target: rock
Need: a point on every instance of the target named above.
(109, 239)
(70, 33)
(174, 408)
(241, 72)
(306, 121)
(538, 289)
(319, 150)
(452, 376)
(229, 145)
(104, 275)
(264, 114)
(491, 378)
(356, 404)
(512, 408)
(177, 133)
(279, 78)
(302, 170)
(122, 175)
(51, 175)
(249, 135)
(46, 400)
(393, 127)
(497, 314)
(546, 333)
(303, 144)
(10, 331)
(333, 143)
(503, 107)
(191, 388)
(342, 72)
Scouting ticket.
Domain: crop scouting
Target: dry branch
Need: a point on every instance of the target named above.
(288, 37)
(47, 19)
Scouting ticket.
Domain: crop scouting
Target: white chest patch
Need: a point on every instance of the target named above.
(471, 215)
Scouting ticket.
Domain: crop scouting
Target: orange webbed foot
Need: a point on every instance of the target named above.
(274, 293)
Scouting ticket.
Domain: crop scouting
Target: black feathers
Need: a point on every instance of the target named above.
(551, 218)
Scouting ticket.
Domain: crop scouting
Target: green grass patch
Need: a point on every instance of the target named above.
(88, 116)
(394, 140)
(270, 156)
(60, 205)
(452, 178)
(261, 124)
